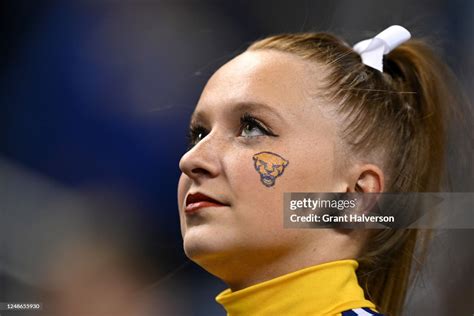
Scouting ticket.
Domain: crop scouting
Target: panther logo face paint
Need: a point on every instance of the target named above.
(270, 166)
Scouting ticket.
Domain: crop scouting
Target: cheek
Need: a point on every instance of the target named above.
(183, 187)
(242, 172)
(256, 201)
(258, 217)
(313, 171)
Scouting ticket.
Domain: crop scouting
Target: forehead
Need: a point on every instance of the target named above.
(266, 76)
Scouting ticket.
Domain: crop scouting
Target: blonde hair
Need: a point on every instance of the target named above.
(399, 113)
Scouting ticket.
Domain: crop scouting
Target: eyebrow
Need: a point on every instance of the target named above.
(242, 107)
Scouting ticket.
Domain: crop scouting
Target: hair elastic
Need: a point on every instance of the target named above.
(372, 50)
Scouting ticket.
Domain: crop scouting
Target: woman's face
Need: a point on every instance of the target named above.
(258, 131)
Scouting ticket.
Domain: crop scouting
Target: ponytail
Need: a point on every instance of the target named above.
(400, 114)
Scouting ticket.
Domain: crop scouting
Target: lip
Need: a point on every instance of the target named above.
(198, 200)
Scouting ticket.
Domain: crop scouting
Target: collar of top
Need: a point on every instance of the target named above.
(325, 289)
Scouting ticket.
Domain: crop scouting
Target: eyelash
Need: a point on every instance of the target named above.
(246, 119)
(251, 120)
(193, 134)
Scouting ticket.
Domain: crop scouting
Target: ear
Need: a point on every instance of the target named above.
(367, 178)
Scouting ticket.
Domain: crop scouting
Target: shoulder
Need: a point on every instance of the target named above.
(364, 311)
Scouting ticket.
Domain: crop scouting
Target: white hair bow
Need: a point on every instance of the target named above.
(372, 50)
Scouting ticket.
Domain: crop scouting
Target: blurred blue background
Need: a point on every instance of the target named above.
(95, 100)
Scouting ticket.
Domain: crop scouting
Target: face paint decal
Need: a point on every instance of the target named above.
(270, 166)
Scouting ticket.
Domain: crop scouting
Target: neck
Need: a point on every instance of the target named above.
(246, 268)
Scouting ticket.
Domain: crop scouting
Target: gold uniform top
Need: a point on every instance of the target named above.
(324, 289)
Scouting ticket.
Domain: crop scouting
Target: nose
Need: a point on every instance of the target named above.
(202, 161)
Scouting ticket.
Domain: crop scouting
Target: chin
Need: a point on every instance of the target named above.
(206, 247)
(198, 242)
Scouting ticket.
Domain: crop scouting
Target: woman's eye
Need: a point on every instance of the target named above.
(252, 127)
(196, 134)
(251, 130)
